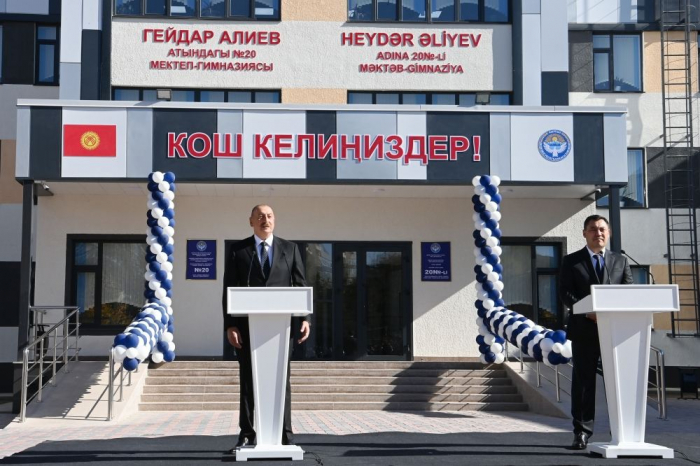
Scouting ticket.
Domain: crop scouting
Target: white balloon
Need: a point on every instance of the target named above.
(500, 358)
(167, 266)
(539, 328)
(481, 260)
(171, 346)
(150, 239)
(492, 206)
(485, 233)
(131, 353)
(170, 231)
(156, 212)
(161, 293)
(495, 180)
(476, 181)
(498, 285)
(163, 222)
(163, 186)
(151, 204)
(479, 190)
(157, 357)
(157, 177)
(119, 353)
(476, 217)
(484, 331)
(167, 337)
(496, 216)
(487, 268)
(529, 323)
(483, 359)
(497, 249)
(170, 276)
(488, 303)
(546, 362)
(519, 339)
(154, 284)
(557, 347)
(149, 276)
(566, 350)
(492, 277)
(172, 205)
(480, 225)
(142, 352)
(490, 339)
(491, 241)
(485, 198)
(171, 241)
(170, 311)
(156, 248)
(167, 301)
(496, 348)
(482, 295)
(162, 257)
(546, 345)
(169, 195)
(477, 252)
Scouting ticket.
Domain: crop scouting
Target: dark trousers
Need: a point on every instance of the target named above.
(585, 361)
(247, 400)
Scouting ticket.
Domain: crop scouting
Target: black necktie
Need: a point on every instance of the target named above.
(264, 259)
(599, 267)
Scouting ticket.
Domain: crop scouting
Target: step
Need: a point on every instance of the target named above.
(344, 406)
(234, 389)
(359, 380)
(303, 372)
(334, 365)
(341, 397)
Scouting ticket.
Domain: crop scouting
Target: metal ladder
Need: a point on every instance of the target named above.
(677, 32)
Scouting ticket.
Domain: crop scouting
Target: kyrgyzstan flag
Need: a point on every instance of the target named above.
(89, 140)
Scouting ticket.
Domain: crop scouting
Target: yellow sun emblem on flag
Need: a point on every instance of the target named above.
(90, 140)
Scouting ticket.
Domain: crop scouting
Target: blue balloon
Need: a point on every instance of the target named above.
(131, 341)
(149, 294)
(483, 349)
(152, 222)
(169, 356)
(481, 313)
(164, 203)
(492, 259)
(157, 195)
(481, 278)
(172, 222)
(480, 340)
(494, 294)
(152, 186)
(173, 188)
(498, 268)
(169, 214)
(492, 224)
(149, 215)
(163, 239)
(497, 198)
(486, 251)
(490, 357)
(169, 294)
(488, 286)
(167, 284)
(150, 178)
(164, 318)
(496, 232)
(169, 177)
(485, 215)
(537, 353)
(162, 346)
(161, 275)
(479, 207)
(499, 340)
(130, 364)
(168, 249)
(522, 319)
(500, 302)
(477, 269)
(554, 358)
(171, 259)
(475, 199)
(479, 243)
(559, 336)
(479, 304)
(485, 180)
(141, 315)
(119, 339)
(156, 231)
(154, 266)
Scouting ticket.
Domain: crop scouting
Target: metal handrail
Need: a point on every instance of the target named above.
(660, 385)
(110, 389)
(659, 370)
(63, 324)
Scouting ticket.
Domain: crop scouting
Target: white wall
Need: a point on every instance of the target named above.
(9, 93)
(444, 315)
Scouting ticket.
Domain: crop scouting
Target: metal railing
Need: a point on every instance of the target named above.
(39, 358)
(659, 369)
(112, 375)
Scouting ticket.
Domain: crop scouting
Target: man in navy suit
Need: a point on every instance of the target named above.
(260, 260)
(592, 265)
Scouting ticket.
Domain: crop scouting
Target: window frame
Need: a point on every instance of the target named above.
(72, 270)
(198, 13)
(645, 188)
(535, 272)
(611, 63)
(56, 56)
(2, 37)
(428, 96)
(428, 13)
(198, 93)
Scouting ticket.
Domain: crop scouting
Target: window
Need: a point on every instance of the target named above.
(617, 63)
(530, 272)
(106, 280)
(634, 193)
(262, 10)
(187, 95)
(47, 55)
(425, 98)
(432, 11)
(0, 53)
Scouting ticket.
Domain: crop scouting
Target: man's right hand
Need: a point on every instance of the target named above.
(234, 337)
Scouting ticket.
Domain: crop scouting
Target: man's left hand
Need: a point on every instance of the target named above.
(305, 331)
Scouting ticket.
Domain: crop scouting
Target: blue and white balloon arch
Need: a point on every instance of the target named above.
(151, 331)
(496, 323)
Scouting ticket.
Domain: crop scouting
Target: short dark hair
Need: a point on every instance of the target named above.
(252, 212)
(593, 219)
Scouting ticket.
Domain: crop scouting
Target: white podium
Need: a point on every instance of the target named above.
(624, 314)
(269, 312)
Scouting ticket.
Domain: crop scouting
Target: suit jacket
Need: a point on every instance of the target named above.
(243, 268)
(577, 276)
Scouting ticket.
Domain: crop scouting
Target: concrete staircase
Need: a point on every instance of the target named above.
(403, 386)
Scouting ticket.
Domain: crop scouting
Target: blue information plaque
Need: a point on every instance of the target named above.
(201, 259)
(435, 262)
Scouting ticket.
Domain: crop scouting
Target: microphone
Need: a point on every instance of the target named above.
(250, 268)
(653, 282)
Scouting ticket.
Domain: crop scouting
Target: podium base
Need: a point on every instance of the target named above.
(630, 449)
(293, 452)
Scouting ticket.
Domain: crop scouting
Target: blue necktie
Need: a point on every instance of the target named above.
(599, 267)
(265, 260)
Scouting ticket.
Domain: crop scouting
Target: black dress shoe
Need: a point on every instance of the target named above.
(244, 442)
(580, 441)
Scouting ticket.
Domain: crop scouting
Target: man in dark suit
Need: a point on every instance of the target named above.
(592, 265)
(260, 260)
